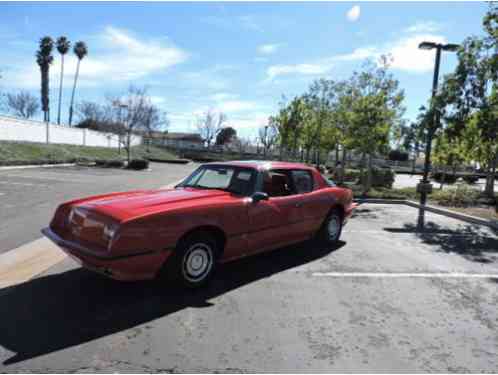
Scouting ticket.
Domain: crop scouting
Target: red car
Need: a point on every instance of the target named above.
(221, 212)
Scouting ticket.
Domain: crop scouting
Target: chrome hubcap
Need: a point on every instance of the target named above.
(333, 227)
(197, 262)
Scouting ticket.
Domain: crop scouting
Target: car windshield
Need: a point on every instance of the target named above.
(232, 179)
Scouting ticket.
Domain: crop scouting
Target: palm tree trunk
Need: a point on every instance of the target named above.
(60, 91)
(72, 95)
(44, 93)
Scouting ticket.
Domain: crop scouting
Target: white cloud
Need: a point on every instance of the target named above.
(407, 56)
(404, 51)
(220, 96)
(157, 100)
(424, 27)
(231, 106)
(114, 56)
(307, 69)
(268, 49)
(354, 13)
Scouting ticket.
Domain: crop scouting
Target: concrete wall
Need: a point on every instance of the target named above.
(20, 130)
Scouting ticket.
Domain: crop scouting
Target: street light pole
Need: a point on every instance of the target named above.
(425, 186)
(266, 139)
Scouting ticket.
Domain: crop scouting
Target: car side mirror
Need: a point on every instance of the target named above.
(259, 196)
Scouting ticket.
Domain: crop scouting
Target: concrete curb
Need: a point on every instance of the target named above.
(9, 167)
(493, 224)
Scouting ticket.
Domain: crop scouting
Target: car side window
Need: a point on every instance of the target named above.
(277, 183)
(302, 180)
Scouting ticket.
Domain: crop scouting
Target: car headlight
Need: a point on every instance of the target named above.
(109, 231)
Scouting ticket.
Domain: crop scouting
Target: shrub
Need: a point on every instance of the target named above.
(112, 163)
(173, 161)
(462, 196)
(138, 164)
(382, 177)
(448, 178)
(470, 179)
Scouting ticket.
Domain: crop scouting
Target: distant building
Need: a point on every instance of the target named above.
(177, 140)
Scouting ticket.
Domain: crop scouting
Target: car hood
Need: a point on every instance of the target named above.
(127, 205)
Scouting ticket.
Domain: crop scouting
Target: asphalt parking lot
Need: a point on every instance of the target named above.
(387, 298)
(28, 197)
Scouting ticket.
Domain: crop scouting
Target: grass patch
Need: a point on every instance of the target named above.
(16, 153)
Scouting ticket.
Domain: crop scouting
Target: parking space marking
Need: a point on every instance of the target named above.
(41, 177)
(23, 263)
(427, 275)
(22, 184)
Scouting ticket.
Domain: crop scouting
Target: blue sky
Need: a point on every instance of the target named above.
(235, 57)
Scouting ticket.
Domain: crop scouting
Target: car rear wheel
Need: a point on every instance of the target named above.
(194, 260)
(331, 228)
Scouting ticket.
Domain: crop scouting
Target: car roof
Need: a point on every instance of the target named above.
(263, 164)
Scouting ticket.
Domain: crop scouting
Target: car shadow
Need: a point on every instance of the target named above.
(58, 311)
(469, 241)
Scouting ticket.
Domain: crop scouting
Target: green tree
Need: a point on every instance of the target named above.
(376, 109)
(80, 50)
(44, 59)
(469, 97)
(225, 135)
(63, 46)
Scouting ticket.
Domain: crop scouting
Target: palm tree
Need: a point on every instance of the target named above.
(80, 50)
(44, 58)
(63, 46)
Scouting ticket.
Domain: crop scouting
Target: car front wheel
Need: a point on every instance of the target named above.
(194, 260)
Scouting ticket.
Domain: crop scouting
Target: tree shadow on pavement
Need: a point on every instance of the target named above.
(364, 213)
(469, 241)
(58, 311)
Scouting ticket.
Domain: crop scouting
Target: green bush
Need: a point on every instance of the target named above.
(461, 196)
(109, 163)
(138, 164)
(470, 179)
(173, 161)
(383, 177)
(448, 178)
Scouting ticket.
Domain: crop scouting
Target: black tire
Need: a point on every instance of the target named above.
(331, 229)
(193, 261)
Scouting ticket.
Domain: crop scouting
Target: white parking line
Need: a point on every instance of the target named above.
(381, 231)
(21, 183)
(428, 275)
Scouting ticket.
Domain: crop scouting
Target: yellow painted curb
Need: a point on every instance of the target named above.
(21, 264)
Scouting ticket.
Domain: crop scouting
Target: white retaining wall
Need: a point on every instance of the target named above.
(20, 130)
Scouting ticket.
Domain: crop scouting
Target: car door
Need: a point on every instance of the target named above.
(314, 204)
(277, 221)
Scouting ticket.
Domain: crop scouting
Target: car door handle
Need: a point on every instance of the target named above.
(298, 204)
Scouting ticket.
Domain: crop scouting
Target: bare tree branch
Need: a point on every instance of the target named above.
(22, 104)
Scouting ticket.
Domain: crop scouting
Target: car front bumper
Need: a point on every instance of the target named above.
(129, 267)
